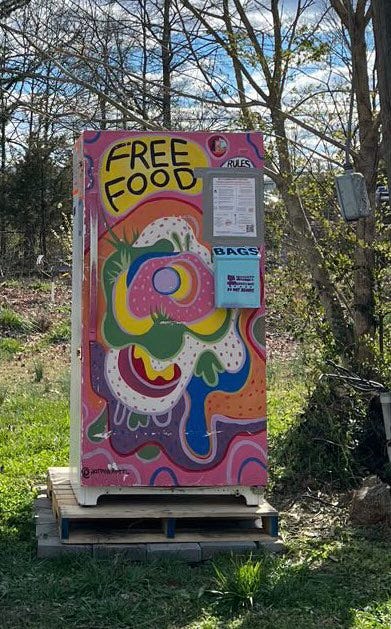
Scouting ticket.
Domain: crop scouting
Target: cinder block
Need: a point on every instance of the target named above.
(210, 549)
(184, 551)
(45, 530)
(42, 503)
(133, 552)
(271, 544)
(52, 547)
(44, 518)
(45, 522)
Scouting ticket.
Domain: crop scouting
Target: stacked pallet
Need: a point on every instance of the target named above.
(152, 525)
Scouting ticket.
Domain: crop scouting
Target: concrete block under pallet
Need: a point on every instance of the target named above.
(42, 503)
(52, 547)
(210, 549)
(271, 544)
(185, 551)
(133, 552)
(46, 530)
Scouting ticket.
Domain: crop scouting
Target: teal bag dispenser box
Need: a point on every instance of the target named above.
(237, 277)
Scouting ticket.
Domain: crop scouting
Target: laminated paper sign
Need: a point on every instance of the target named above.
(167, 389)
(234, 208)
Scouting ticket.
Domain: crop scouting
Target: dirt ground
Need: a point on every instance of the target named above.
(32, 300)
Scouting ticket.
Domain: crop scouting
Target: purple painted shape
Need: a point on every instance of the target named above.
(166, 280)
(126, 441)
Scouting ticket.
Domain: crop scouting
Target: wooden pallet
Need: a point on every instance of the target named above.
(148, 519)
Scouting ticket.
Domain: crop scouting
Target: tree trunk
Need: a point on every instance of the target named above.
(381, 16)
(367, 164)
(3, 238)
(341, 329)
(355, 21)
(166, 65)
(144, 65)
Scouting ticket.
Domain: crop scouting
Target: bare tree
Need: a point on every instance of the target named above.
(8, 6)
(269, 85)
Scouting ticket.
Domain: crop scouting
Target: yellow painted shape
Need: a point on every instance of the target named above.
(210, 324)
(167, 373)
(129, 323)
(135, 167)
(184, 286)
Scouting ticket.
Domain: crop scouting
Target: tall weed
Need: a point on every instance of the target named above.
(60, 333)
(11, 321)
(238, 584)
(245, 583)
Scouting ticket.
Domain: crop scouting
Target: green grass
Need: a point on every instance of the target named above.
(65, 309)
(340, 582)
(33, 436)
(11, 321)
(9, 347)
(40, 286)
(60, 333)
(287, 392)
(349, 587)
(10, 283)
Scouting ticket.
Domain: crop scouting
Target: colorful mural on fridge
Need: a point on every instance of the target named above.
(167, 390)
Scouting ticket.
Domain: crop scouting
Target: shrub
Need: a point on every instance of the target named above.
(318, 449)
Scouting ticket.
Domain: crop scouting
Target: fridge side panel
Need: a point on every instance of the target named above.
(76, 322)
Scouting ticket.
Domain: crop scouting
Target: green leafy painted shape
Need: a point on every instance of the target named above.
(137, 420)
(148, 453)
(98, 427)
(208, 367)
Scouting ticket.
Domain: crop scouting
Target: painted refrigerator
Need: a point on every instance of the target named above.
(167, 389)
